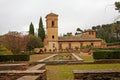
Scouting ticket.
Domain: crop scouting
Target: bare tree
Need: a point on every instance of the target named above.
(15, 41)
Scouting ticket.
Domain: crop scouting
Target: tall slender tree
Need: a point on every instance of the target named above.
(117, 6)
(31, 29)
(41, 31)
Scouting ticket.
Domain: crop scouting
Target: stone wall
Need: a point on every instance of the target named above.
(14, 74)
(96, 74)
(107, 61)
(13, 66)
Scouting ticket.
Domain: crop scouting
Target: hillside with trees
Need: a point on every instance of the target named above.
(109, 32)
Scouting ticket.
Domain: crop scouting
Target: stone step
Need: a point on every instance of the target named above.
(29, 78)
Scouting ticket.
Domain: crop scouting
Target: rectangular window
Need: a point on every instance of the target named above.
(60, 46)
(53, 45)
(69, 45)
(52, 23)
(53, 37)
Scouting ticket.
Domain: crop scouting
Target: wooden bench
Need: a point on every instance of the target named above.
(96, 74)
(37, 67)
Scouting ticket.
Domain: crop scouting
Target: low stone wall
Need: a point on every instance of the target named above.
(38, 67)
(96, 74)
(13, 66)
(12, 75)
(107, 61)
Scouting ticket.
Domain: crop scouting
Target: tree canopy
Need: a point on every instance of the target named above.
(117, 5)
(34, 42)
(78, 31)
(4, 50)
(108, 32)
(41, 31)
(14, 41)
(31, 29)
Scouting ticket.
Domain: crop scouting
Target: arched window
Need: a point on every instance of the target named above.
(69, 45)
(53, 23)
(53, 36)
(92, 44)
(53, 45)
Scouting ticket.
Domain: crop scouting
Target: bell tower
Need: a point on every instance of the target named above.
(52, 32)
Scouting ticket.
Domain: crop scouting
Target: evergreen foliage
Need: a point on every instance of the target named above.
(117, 5)
(31, 29)
(34, 42)
(106, 54)
(41, 31)
(9, 58)
(78, 31)
(108, 32)
(4, 51)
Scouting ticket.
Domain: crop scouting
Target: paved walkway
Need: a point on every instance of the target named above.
(77, 57)
(46, 58)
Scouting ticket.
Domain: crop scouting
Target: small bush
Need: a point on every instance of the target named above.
(4, 51)
(98, 49)
(111, 44)
(9, 58)
(106, 54)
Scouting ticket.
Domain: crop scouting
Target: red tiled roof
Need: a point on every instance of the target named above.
(81, 37)
(52, 14)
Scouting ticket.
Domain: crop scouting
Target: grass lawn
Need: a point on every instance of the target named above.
(85, 57)
(64, 72)
(38, 56)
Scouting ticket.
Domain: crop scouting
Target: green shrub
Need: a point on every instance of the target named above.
(28, 53)
(98, 49)
(9, 58)
(4, 51)
(115, 43)
(106, 54)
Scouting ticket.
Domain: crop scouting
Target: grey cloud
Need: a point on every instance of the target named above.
(17, 14)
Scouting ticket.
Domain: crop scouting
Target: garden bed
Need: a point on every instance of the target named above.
(61, 58)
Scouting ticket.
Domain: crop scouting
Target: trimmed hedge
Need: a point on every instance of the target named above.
(9, 58)
(98, 49)
(111, 44)
(106, 54)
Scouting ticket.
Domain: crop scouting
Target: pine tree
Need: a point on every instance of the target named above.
(41, 31)
(117, 6)
(31, 29)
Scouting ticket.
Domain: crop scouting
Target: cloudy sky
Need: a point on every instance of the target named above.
(16, 15)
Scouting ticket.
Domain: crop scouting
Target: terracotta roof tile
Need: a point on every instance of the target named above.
(82, 37)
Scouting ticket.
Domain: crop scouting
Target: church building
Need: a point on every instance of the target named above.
(56, 43)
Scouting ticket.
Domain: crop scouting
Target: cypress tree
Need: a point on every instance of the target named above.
(41, 31)
(31, 29)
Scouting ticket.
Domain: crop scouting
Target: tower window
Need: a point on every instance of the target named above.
(53, 37)
(53, 23)
(53, 45)
(91, 44)
(92, 33)
(89, 33)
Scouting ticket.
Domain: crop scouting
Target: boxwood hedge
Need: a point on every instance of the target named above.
(106, 54)
(9, 58)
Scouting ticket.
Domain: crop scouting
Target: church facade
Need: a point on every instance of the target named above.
(56, 43)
